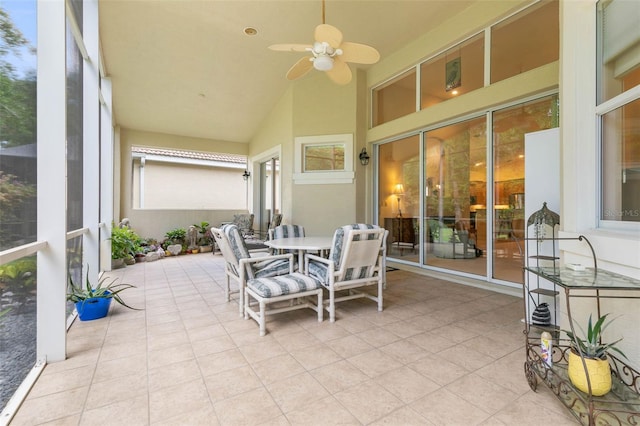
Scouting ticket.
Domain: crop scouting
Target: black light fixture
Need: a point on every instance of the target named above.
(246, 175)
(364, 157)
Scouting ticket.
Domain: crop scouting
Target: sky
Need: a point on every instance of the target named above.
(24, 17)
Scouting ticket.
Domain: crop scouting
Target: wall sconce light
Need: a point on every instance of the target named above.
(364, 157)
(246, 175)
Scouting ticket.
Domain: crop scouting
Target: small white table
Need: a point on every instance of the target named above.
(301, 245)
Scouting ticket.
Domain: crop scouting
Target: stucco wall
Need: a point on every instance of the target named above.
(154, 223)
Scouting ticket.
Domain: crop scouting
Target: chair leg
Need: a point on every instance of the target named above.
(320, 306)
(227, 289)
(246, 304)
(380, 286)
(263, 325)
(332, 306)
(242, 298)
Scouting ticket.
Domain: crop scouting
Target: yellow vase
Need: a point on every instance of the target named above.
(599, 374)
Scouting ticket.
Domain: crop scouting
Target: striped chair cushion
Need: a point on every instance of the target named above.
(320, 270)
(265, 268)
(283, 284)
(288, 231)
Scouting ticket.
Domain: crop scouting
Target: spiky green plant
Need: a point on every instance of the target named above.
(106, 288)
(591, 345)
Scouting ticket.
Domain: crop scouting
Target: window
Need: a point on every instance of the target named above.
(523, 42)
(395, 99)
(458, 70)
(323, 159)
(619, 111)
(526, 41)
(18, 165)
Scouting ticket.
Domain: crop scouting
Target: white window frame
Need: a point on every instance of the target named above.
(300, 176)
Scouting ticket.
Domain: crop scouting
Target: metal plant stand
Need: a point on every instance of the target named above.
(546, 281)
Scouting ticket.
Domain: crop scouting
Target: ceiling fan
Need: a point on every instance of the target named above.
(329, 54)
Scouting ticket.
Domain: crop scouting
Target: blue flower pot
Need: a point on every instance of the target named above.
(94, 308)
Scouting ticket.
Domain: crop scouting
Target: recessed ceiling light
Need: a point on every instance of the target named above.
(250, 31)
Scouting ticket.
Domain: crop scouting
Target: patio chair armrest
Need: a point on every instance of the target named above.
(263, 258)
(289, 256)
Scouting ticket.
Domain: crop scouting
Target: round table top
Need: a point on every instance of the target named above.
(300, 243)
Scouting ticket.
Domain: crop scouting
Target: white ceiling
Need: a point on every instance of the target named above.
(185, 67)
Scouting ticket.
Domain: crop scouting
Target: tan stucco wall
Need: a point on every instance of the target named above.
(316, 106)
(154, 223)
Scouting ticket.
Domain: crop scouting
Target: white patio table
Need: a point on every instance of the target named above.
(301, 245)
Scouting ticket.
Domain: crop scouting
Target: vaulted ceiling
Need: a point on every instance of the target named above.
(186, 67)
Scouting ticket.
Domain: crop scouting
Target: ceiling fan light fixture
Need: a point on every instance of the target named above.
(323, 63)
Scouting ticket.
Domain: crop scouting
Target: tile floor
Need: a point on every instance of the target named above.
(440, 354)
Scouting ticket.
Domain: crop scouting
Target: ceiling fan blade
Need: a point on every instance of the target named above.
(300, 68)
(359, 53)
(340, 73)
(330, 34)
(290, 47)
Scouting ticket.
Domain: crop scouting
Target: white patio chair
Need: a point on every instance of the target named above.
(241, 265)
(285, 231)
(357, 259)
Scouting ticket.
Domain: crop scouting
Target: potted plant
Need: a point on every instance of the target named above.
(93, 302)
(174, 238)
(123, 246)
(594, 352)
(205, 241)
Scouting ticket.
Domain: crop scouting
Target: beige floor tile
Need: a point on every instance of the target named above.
(439, 354)
(374, 362)
(294, 392)
(221, 361)
(173, 401)
(431, 341)
(248, 408)
(51, 382)
(263, 349)
(405, 351)
(491, 399)
(445, 408)
(349, 346)
(315, 356)
(131, 411)
(438, 369)
(169, 340)
(529, 409)
(466, 357)
(212, 345)
(300, 338)
(339, 376)
(170, 355)
(406, 384)
(321, 412)
(404, 416)
(203, 417)
(116, 390)
(47, 408)
(120, 367)
(231, 383)
(378, 337)
(368, 401)
(277, 368)
(173, 374)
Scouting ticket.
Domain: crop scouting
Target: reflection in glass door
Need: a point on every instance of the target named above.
(269, 194)
(455, 192)
(473, 205)
(509, 127)
(399, 196)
